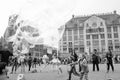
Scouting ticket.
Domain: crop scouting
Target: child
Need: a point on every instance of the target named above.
(84, 67)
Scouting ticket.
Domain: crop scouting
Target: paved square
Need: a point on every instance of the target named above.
(49, 74)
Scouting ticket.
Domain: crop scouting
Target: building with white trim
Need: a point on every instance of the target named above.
(86, 33)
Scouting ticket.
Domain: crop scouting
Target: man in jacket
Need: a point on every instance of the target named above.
(29, 62)
(109, 57)
(95, 60)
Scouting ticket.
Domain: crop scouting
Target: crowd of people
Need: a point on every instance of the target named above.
(25, 62)
(82, 60)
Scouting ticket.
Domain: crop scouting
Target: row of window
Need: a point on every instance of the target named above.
(115, 41)
(75, 31)
(95, 30)
(110, 35)
(94, 36)
(82, 49)
(70, 49)
(115, 29)
(71, 43)
(75, 38)
(90, 31)
(96, 42)
(94, 24)
(116, 47)
(102, 36)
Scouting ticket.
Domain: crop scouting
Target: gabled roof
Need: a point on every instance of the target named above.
(74, 21)
(109, 19)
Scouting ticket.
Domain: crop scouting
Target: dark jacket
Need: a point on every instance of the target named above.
(30, 60)
(109, 57)
(74, 57)
(95, 58)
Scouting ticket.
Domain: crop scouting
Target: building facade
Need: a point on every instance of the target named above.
(86, 33)
(39, 50)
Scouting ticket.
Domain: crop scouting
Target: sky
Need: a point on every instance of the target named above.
(51, 14)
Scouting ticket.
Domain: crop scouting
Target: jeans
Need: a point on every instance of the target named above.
(85, 75)
(97, 65)
(14, 67)
(29, 65)
(108, 66)
(73, 70)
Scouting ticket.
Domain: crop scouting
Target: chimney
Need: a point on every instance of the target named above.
(115, 12)
(73, 16)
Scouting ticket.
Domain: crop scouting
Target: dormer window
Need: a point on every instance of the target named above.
(101, 24)
(87, 25)
(75, 25)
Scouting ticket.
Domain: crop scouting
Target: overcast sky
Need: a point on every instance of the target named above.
(50, 14)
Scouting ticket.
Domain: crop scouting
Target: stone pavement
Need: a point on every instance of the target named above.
(49, 74)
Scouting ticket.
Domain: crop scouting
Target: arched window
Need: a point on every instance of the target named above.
(94, 24)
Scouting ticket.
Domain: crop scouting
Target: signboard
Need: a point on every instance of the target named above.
(88, 50)
(49, 50)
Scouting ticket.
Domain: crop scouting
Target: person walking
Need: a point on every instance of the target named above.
(95, 60)
(22, 62)
(34, 62)
(14, 64)
(109, 57)
(74, 60)
(84, 67)
(29, 62)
